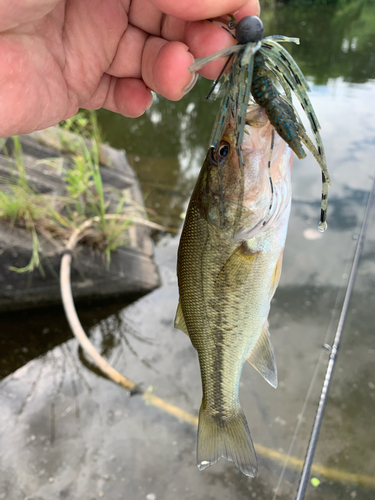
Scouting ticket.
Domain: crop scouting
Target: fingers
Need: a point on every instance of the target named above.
(127, 96)
(201, 37)
(146, 16)
(193, 10)
(162, 65)
(250, 8)
(165, 67)
(173, 28)
(128, 59)
(204, 38)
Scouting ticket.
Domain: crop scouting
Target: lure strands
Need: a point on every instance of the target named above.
(257, 63)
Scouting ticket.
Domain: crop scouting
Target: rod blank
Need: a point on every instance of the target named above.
(332, 358)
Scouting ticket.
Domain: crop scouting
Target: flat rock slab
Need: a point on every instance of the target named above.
(132, 271)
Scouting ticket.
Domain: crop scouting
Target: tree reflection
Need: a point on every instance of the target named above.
(336, 40)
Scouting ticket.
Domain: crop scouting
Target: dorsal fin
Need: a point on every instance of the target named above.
(179, 321)
(262, 357)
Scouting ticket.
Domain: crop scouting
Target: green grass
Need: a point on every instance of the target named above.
(21, 206)
(85, 187)
(85, 198)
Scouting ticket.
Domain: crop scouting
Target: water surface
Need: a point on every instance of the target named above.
(66, 432)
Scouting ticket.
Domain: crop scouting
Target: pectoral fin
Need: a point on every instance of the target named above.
(236, 269)
(179, 321)
(262, 357)
(276, 275)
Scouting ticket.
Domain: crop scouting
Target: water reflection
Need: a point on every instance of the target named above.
(89, 437)
(166, 147)
(28, 334)
(344, 213)
(336, 41)
(67, 433)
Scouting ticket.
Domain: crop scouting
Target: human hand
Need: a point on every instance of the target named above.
(59, 55)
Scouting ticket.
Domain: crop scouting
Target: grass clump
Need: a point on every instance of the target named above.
(20, 206)
(87, 199)
(56, 217)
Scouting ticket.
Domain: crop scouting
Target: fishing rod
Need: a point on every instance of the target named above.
(333, 353)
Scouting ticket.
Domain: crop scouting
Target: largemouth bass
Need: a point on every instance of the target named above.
(229, 265)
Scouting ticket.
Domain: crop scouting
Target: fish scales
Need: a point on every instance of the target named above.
(228, 270)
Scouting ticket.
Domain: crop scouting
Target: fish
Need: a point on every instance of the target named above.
(228, 269)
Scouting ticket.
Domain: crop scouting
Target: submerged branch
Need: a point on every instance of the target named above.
(79, 333)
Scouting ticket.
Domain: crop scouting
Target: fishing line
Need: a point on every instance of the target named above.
(218, 78)
(322, 354)
(332, 358)
(225, 65)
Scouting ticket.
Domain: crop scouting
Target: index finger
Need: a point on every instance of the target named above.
(195, 10)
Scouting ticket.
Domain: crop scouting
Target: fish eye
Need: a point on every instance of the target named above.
(221, 153)
(223, 149)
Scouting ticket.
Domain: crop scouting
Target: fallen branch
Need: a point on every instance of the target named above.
(79, 333)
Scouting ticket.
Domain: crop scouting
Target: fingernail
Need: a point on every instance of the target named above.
(151, 101)
(191, 84)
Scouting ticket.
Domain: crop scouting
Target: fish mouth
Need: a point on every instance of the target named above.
(256, 116)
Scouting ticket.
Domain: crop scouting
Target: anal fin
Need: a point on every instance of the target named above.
(262, 357)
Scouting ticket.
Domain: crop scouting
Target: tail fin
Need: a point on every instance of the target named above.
(229, 439)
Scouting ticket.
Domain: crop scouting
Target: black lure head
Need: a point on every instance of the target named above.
(249, 29)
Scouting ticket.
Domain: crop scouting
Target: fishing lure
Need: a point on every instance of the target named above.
(257, 63)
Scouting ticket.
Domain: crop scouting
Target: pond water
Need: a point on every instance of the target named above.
(66, 432)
